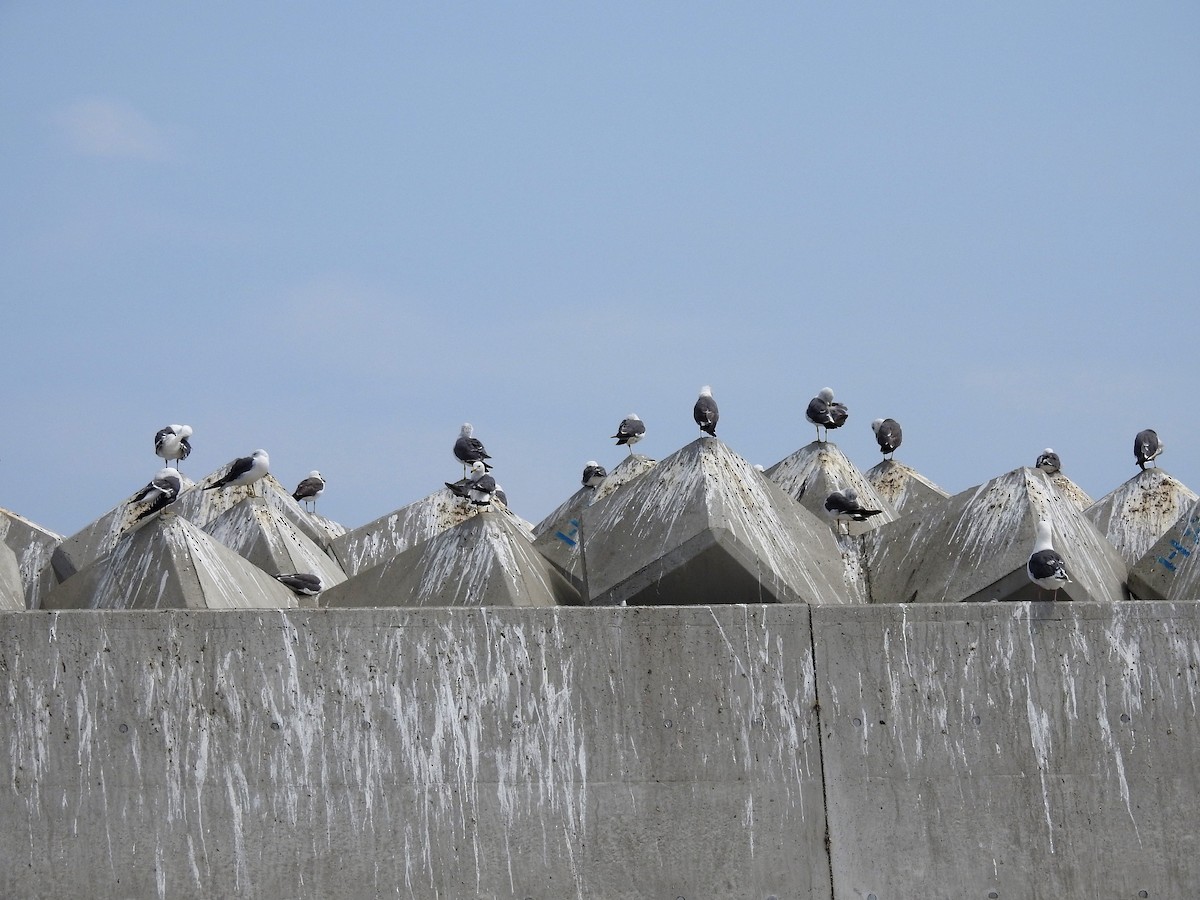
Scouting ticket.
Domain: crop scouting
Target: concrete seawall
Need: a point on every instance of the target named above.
(990, 751)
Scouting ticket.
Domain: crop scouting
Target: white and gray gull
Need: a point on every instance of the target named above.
(308, 490)
(1046, 568)
(844, 507)
(593, 474)
(172, 443)
(469, 449)
(243, 470)
(630, 431)
(302, 582)
(1146, 446)
(888, 435)
(705, 412)
(162, 491)
(825, 412)
(1048, 462)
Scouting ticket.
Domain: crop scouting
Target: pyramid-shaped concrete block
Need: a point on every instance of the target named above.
(1070, 491)
(704, 526)
(486, 560)
(557, 537)
(818, 469)
(12, 590)
(1170, 569)
(264, 536)
(34, 547)
(201, 507)
(976, 544)
(903, 488)
(630, 468)
(169, 563)
(1139, 512)
(388, 536)
(85, 546)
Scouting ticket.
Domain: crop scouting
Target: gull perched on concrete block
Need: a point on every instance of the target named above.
(888, 435)
(844, 507)
(1146, 446)
(302, 582)
(469, 449)
(481, 486)
(1049, 462)
(630, 431)
(308, 490)
(705, 412)
(593, 474)
(171, 443)
(825, 412)
(243, 470)
(1046, 568)
(162, 491)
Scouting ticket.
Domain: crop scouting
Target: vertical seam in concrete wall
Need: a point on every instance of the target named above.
(812, 638)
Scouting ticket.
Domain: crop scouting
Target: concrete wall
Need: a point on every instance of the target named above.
(990, 751)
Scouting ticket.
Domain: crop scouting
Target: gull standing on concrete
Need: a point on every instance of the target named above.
(163, 490)
(1049, 462)
(843, 507)
(1146, 446)
(593, 474)
(171, 443)
(1046, 568)
(308, 490)
(482, 486)
(243, 470)
(630, 431)
(825, 412)
(705, 412)
(888, 435)
(469, 449)
(302, 583)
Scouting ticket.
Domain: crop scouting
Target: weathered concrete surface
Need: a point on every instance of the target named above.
(975, 546)
(557, 536)
(33, 546)
(1170, 570)
(12, 590)
(169, 563)
(906, 489)
(265, 537)
(466, 753)
(202, 507)
(487, 560)
(1011, 750)
(818, 469)
(1135, 515)
(1069, 490)
(704, 526)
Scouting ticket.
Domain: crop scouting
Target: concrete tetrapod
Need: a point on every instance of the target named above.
(1135, 515)
(33, 547)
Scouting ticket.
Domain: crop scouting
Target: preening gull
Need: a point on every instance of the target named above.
(171, 443)
(630, 431)
(705, 411)
(1046, 568)
(302, 582)
(593, 474)
(469, 449)
(843, 507)
(1146, 446)
(1048, 462)
(825, 412)
(243, 470)
(163, 490)
(888, 435)
(481, 486)
(308, 490)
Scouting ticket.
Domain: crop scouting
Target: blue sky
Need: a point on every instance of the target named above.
(339, 231)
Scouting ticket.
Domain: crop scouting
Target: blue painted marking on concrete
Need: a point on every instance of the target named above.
(566, 540)
(569, 539)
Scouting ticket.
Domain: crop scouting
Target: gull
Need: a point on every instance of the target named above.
(302, 582)
(1046, 568)
(468, 448)
(243, 470)
(843, 507)
(630, 431)
(593, 474)
(825, 412)
(171, 443)
(163, 490)
(308, 490)
(888, 435)
(1049, 462)
(1146, 446)
(705, 412)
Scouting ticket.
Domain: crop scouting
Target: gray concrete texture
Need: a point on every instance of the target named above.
(703, 524)
(1028, 750)
(975, 546)
(818, 469)
(33, 546)
(1135, 515)
(904, 488)
(1170, 569)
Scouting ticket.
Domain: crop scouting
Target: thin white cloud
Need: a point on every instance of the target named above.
(111, 128)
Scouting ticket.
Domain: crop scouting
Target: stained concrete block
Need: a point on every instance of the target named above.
(818, 469)
(453, 753)
(169, 563)
(33, 547)
(1034, 750)
(975, 546)
(557, 537)
(99, 536)
(1069, 490)
(903, 488)
(262, 535)
(487, 560)
(388, 536)
(1170, 569)
(703, 526)
(630, 468)
(12, 589)
(1139, 512)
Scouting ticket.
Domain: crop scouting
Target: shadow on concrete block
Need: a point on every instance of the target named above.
(169, 563)
(1139, 512)
(704, 526)
(1170, 569)
(976, 544)
(486, 560)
